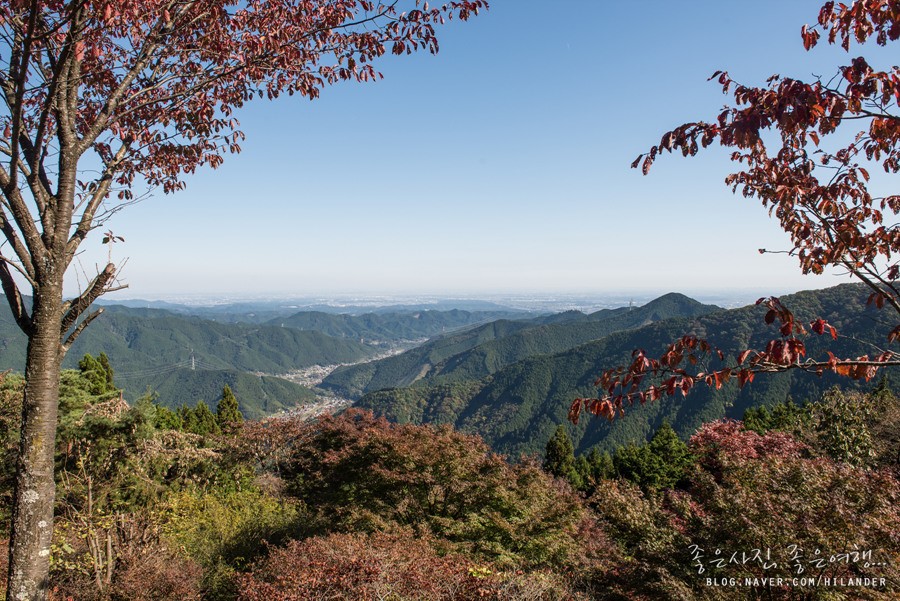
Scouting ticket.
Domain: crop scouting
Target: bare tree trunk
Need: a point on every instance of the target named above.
(32, 525)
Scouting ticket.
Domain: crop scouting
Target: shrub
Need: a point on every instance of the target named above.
(760, 492)
(119, 558)
(750, 491)
(379, 566)
(359, 473)
(225, 531)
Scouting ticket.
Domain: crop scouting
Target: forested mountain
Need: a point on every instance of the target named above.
(479, 352)
(517, 408)
(186, 359)
(261, 311)
(138, 340)
(258, 396)
(397, 325)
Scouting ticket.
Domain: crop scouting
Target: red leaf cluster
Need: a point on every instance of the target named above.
(820, 197)
(674, 372)
(728, 441)
(356, 566)
(159, 81)
(832, 220)
(388, 566)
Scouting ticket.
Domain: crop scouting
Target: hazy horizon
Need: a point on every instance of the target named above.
(727, 297)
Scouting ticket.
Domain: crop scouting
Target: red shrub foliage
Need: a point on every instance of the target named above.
(384, 566)
(359, 473)
(757, 506)
(151, 574)
(726, 442)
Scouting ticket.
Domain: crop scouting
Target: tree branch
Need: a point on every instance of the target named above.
(14, 298)
(22, 217)
(87, 217)
(105, 115)
(21, 251)
(75, 333)
(19, 76)
(74, 308)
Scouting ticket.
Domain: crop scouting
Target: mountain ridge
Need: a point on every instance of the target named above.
(517, 408)
(388, 327)
(480, 351)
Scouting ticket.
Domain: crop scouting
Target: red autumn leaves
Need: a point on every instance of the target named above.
(819, 196)
(649, 379)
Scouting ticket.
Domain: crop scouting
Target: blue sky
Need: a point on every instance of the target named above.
(499, 165)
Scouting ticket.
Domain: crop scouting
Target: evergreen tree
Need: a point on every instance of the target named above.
(103, 360)
(661, 463)
(637, 464)
(674, 455)
(227, 411)
(841, 421)
(99, 373)
(203, 420)
(166, 419)
(187, 418)
(786, 416)
(559, 458)
(141, 418)
(593, 468)
(883, 388)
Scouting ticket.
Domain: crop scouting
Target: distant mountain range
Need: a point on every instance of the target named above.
(186, 358)
(505, 375)
(386, 327)
(267, 310)
(517, 407)
(481, 351)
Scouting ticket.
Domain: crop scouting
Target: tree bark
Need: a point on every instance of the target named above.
(32, 524)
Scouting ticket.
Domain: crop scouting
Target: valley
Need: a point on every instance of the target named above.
(314, 375)
(504, 374)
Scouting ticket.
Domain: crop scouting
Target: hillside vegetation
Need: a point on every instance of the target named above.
(140, 339)
(519, 406)
(390, 326)
(201, 505)
(260, 396)
(186, 359)
(484, 350)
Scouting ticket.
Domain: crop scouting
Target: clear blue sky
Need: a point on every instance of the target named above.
(499, 165)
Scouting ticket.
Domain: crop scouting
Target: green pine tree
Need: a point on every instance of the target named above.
(199, 420)
(674, 455)
(103, 360)
(187, 418)
(638, 464)
(785, 416)
(166, 419)
(559, 458)
(593, 468)
(661, 463)
(883, 389)
(99, 373)
(204, 422)
(227, 411)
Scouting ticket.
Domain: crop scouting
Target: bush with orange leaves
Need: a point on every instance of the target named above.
(756, 506)
(378, 566)
(359, 473)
